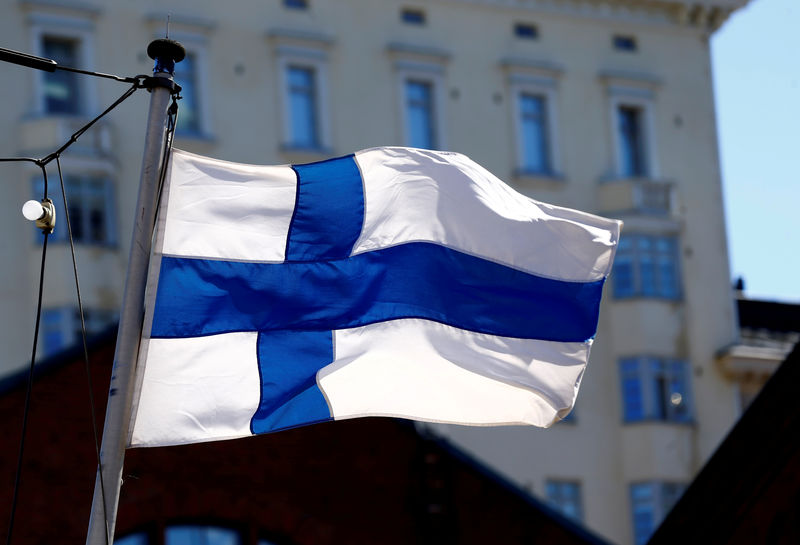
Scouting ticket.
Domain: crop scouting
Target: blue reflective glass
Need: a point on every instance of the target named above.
(413, 16)
(303, 107)
(132, 539)
(643, 511)
(188, 106)
(419, 114)
(631, 141)
(201, 535)
(632, 392)
(527, 31)
(61, 88)
(623, 276)
(534, 134)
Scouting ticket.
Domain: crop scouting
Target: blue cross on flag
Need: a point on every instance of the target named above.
(390, 282)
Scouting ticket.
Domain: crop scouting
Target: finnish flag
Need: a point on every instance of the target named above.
(391, 282)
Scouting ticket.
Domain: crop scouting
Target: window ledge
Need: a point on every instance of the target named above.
(641, 298)
(658, 422)
(529, 177)
(196, 136)
(297, 154)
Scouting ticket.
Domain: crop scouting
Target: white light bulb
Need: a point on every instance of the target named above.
(32, 210)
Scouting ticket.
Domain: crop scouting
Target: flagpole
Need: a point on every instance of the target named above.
(115, 430)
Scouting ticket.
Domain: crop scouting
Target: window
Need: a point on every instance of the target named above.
(201, 535)
(655, 389)
(91, 208)
(133, 539)
(565, 497)
(534, 133)
(646, 266)
(186, 534)
(302, 69)
(62, 93)
(295, 4)
(624, 43)
(303, 109)
(420, 114)
(533, 108)
(526, 31)
(61, 327)
(189, 117)
(650, 503)
(631, 138)
(412, 16)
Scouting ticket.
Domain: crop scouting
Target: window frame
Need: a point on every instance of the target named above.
(69, 27)
(83, 179)
(314, 59)
(526, 78)
(644, 105)
(657, 502)
(68, 321)
(558, 500)
(629, 253)
(429, 74)
(645, 372)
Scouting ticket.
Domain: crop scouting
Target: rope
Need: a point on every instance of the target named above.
(41, 163)
(85, 346)
(29, 388)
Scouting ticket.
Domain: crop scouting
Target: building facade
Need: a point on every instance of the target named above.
(602, 105)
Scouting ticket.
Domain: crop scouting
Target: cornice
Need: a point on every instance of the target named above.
(704, 15)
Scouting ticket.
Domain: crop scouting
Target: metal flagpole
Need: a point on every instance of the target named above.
(115, 430)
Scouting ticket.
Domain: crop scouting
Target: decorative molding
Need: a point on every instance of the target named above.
(71, 7)
(705, 15)
(190, 23)
(401, 50)
(304, 38)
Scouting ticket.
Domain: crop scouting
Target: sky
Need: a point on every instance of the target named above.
(756, 64)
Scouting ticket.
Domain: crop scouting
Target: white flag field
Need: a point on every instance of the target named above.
(390, 282)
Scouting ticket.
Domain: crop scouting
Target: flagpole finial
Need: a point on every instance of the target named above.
(166, 53)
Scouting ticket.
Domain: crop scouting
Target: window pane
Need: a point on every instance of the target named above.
(303, 107)
(419, 114)
(623, 276)
(632, 395)
(61, 89)
(631, 139)
(534, 134)
(132, 539)
(53, 331)
(643, 511)
(565, 497)
(188, 107)
(201, 535)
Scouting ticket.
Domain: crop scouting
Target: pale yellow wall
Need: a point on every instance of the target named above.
(244, 116)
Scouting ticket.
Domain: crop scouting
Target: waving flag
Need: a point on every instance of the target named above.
(391, 282)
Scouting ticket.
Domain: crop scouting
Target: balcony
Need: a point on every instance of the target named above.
(637, 196)
(48, 133)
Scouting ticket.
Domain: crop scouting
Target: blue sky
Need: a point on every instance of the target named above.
(756, 59)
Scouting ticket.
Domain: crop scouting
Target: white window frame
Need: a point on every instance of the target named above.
(525, 85)
(78, 28)
(539, 78)
(413, 63)
(310, 53)
(637, 91)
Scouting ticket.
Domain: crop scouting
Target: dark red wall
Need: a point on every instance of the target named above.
(365, 481)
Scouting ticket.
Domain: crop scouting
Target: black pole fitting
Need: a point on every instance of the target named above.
(166, 53)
